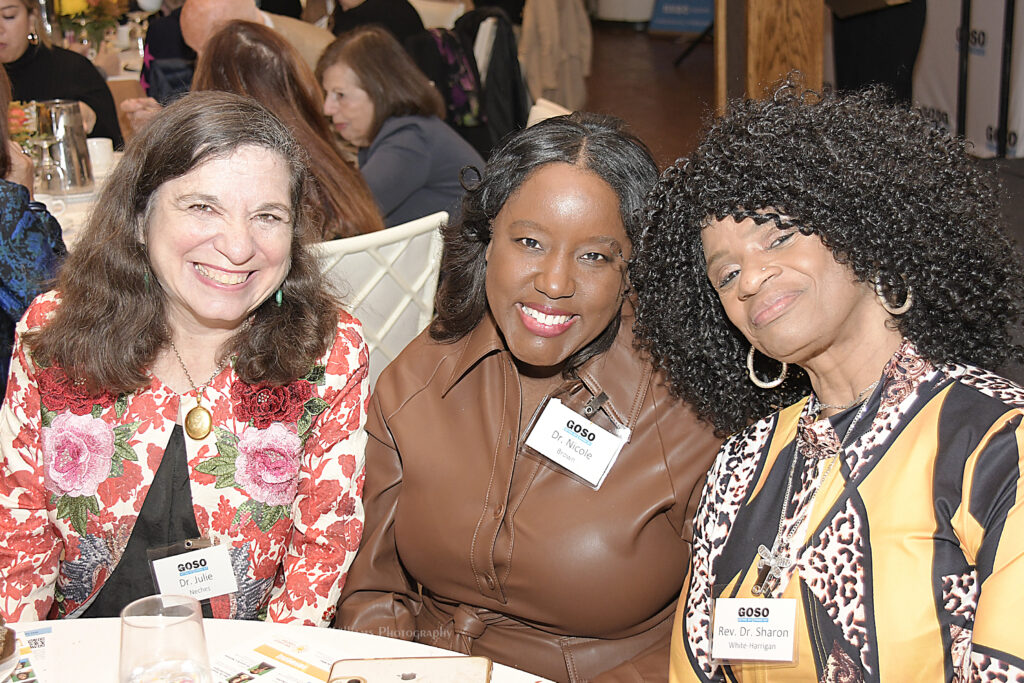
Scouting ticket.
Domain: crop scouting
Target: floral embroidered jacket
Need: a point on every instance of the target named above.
(278, 480)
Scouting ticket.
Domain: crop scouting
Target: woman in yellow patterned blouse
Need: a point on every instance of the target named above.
(842, 259)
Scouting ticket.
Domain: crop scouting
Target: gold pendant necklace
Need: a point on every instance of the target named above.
(198, 421)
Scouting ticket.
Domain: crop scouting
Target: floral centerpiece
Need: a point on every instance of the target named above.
(93, 18)
(22, 123)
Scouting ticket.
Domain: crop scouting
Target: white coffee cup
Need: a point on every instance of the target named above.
(124, 38)
(55, 205)
(101, 154)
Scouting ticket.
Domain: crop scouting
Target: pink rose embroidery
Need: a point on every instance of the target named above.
(77, 450)
(267, 466)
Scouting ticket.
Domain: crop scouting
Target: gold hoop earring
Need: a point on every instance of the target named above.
(760, 383)
(908, 301)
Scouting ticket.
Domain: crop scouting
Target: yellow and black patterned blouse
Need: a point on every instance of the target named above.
(910, 564)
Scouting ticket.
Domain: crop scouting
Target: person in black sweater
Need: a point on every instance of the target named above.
(879, 47)
(397, 16)
(38, 71)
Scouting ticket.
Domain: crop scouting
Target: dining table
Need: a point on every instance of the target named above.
(72, 209)
(73, 650)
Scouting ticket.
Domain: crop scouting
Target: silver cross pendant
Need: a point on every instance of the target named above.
(771, 565)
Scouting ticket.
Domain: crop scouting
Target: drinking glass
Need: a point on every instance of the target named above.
(139, 23)
(162, 641)
(50, 177)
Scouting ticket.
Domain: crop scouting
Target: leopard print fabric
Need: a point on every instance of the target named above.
(728, 482)
(985, 669)
(960, 599)
(832, 564)
(832, 567)
(988, 383)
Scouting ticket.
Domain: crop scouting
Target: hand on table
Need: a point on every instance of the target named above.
(140, 110)
(21, 169)
(88, 117)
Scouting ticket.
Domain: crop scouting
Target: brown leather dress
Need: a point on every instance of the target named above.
(474, 544)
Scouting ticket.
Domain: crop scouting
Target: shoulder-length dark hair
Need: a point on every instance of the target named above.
(893, 196)
(394, 83)
(109, 290)
(597, 143)
(254, 60)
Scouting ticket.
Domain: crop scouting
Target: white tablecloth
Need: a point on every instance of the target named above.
(87, 649)
(72, 210)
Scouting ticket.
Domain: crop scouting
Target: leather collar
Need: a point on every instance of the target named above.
(620, 372)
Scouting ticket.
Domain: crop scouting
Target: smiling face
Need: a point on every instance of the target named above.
(556, 265)
(786, 292)
(16, 22)
(348, 105)
(219, 238)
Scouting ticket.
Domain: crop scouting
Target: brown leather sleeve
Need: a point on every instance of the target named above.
(690, 447)
(379, 596)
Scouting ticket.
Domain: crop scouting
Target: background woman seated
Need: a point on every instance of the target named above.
(478, 542)
(383, 104)
(31, 246)
(254, 60)
(40, 71)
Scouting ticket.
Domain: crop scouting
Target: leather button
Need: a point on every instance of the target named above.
(490, 581)
(498, 509)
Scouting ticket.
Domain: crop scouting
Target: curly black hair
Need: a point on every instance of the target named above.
(893, 197)
(599, 143)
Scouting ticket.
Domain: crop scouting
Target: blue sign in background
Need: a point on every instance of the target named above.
(682, 16)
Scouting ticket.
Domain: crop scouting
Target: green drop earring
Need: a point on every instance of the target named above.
(278, 297)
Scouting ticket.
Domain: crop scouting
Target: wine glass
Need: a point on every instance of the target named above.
(50, 177)
(162, 641)
(139, 23)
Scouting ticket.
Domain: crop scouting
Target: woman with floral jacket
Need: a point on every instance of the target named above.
(195, 268)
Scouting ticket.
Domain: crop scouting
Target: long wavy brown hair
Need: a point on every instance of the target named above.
(253, 60)
(111, 323)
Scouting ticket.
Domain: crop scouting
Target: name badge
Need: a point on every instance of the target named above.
(565, 437)
(201, 574)
(753, 629)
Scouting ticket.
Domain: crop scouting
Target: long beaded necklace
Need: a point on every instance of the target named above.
(774, 562)
(198, 421)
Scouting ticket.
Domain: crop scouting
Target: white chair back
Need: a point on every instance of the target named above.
(483, 46)
(387, 279)
(438, 13)
(545, 109)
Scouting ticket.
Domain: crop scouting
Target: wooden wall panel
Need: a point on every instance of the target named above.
(759, 41)
(783, 35)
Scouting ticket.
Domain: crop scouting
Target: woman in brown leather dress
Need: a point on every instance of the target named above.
(530, 483)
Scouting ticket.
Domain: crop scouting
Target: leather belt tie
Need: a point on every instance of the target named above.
(468, 627)
(469, 623)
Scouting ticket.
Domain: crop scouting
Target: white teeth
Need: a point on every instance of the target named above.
(220, 276)
(544, 318)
